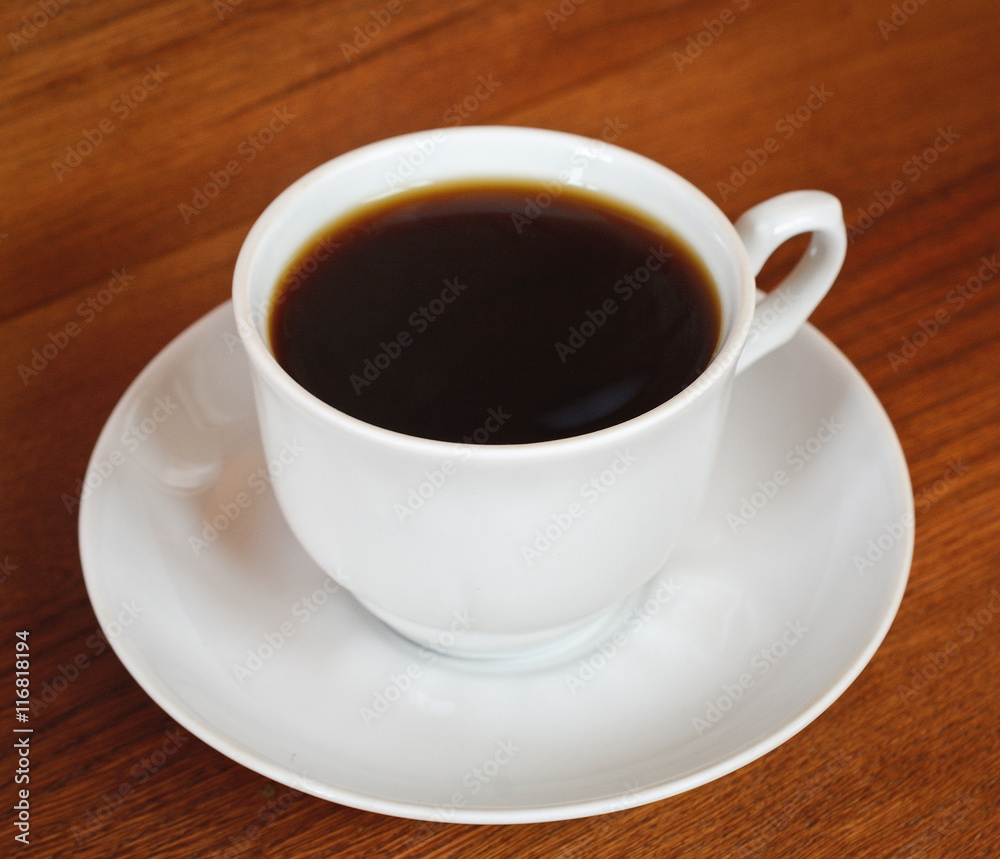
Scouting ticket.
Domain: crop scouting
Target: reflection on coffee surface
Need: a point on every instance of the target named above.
(495, 311)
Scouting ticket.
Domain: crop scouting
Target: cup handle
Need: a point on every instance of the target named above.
(780, 313)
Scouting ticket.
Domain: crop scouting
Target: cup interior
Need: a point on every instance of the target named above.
(554, 160)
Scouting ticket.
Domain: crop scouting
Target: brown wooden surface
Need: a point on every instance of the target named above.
(882, 772)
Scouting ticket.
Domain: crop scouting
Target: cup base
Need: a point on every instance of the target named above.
(462, 642)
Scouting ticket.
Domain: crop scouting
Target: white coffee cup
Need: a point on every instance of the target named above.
(507, 550)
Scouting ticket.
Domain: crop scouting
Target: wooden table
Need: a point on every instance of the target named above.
(120, 121)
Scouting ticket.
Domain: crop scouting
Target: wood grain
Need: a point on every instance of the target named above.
(181, 88)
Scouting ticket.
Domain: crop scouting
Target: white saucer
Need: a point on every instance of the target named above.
(756, 630)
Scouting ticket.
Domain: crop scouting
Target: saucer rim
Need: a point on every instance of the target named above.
(510, 814)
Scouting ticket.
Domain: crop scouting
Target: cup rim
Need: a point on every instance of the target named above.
(261, 357)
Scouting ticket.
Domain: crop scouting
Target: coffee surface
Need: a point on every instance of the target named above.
(498, 313)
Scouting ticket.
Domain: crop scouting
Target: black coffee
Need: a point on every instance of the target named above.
(495, 312)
